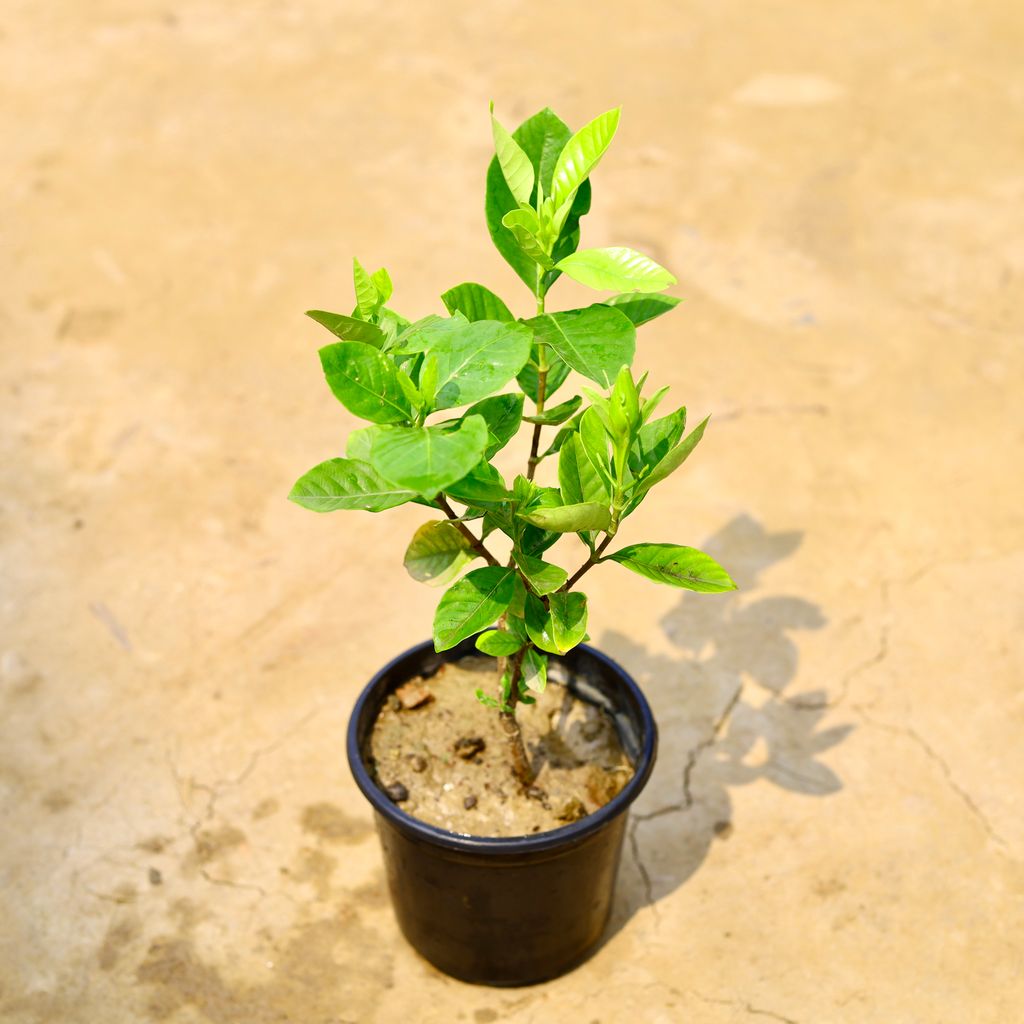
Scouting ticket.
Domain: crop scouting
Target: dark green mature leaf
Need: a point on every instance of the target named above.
(472, 604)
(557, 413)
(561, 625)
(348, 328)
(596, 341)
(655, 440)
(502, 414)
(475, 302)
(428, 459)
(669, 464)
(535, 541)
(347, 484)
(498, 643)
(675, 565)
(541, 138)
(528, 379)
(474, 359)
(366, 383)
(642, 308)
(437, 552)
(581, 154)
(574, 518)
(542, 576)
(616, 268)
(482, 487)
(577, 478)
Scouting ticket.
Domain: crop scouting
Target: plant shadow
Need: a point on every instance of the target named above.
(723, 715)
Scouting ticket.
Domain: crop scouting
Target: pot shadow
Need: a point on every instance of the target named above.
(723, 718)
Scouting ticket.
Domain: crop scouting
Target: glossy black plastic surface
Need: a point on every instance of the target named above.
(506, 911)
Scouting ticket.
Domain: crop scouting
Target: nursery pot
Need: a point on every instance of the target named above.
(516, 910)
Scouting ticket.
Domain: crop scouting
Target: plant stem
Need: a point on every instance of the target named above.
(513, 734)
(542, 382)
(476, 544)
(595, 557)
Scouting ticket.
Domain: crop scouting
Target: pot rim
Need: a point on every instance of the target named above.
(566, 835)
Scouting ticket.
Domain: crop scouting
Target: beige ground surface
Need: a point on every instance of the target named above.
(835, 831)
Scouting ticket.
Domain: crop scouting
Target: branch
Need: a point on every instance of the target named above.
(476, 544)
(542, 382)
(595, 557)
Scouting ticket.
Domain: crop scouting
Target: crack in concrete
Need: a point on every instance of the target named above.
(947, 773)
(743, 1005)
(645, 876)
(694, 755)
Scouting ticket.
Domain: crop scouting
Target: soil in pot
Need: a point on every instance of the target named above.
(443, 757)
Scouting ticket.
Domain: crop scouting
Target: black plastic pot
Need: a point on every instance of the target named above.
(506, 911)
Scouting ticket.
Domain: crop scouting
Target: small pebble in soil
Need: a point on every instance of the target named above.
(394, 703)
(536, 793)
(418, 763)
(572, 810)
(397, 792)
(155, 878)
(470, 802)
(413, 695)
(469, 746)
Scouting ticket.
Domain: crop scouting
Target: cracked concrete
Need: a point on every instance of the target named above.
(834, 831)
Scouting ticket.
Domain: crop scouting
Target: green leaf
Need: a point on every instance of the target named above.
(675, 565)
(642, 308)
(596, 341)
(528, 379)
(475, 302)
(535, 541)
(498, 643)
(561, 625)
(557, 413)
(578, 480)
(616, 268)
(482, 487)
(574, 518)
(359, 443)
(366, 382)
(594, 439)
(392, 324)
(474, 359)
(347, 484)
(348, 328)
(382, 281)
(515, 164)
(581, 155)
(670, 463)
(368, 299)
(472, 604)
(437, 552)
(428, 459)
(502, 414)
(525, 227)
(542, 576)
(655, 440)
(541, 138)
(534, 670)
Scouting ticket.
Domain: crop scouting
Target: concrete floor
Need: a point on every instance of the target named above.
(835, 830)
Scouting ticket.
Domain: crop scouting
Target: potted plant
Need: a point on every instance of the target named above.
(498, 894)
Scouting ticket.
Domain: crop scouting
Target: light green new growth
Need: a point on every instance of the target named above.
(610, 451)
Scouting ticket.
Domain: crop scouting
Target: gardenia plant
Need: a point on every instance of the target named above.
(407, 378)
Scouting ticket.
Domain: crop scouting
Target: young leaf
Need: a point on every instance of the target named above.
(557, 413)
(675, 565)
(642, 308)
(542, 138)
(595, 341)
(428, 459)
(616, 268)
(594, 439)
(534, 670)
(475, 302)
(498, 643)
(366, 382)
(502, 414)
(581, 155)
(368, 299)
(569, 518)
(557, 372)
(515, 164)
(560, 626)
(578, 480)
(655, 440)
(524, 226)
(670, 463)
(474, 359)
(382, 281)
(472, 604)
(437, 552)
(347, 484)
(542, 576)
(348, 328)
